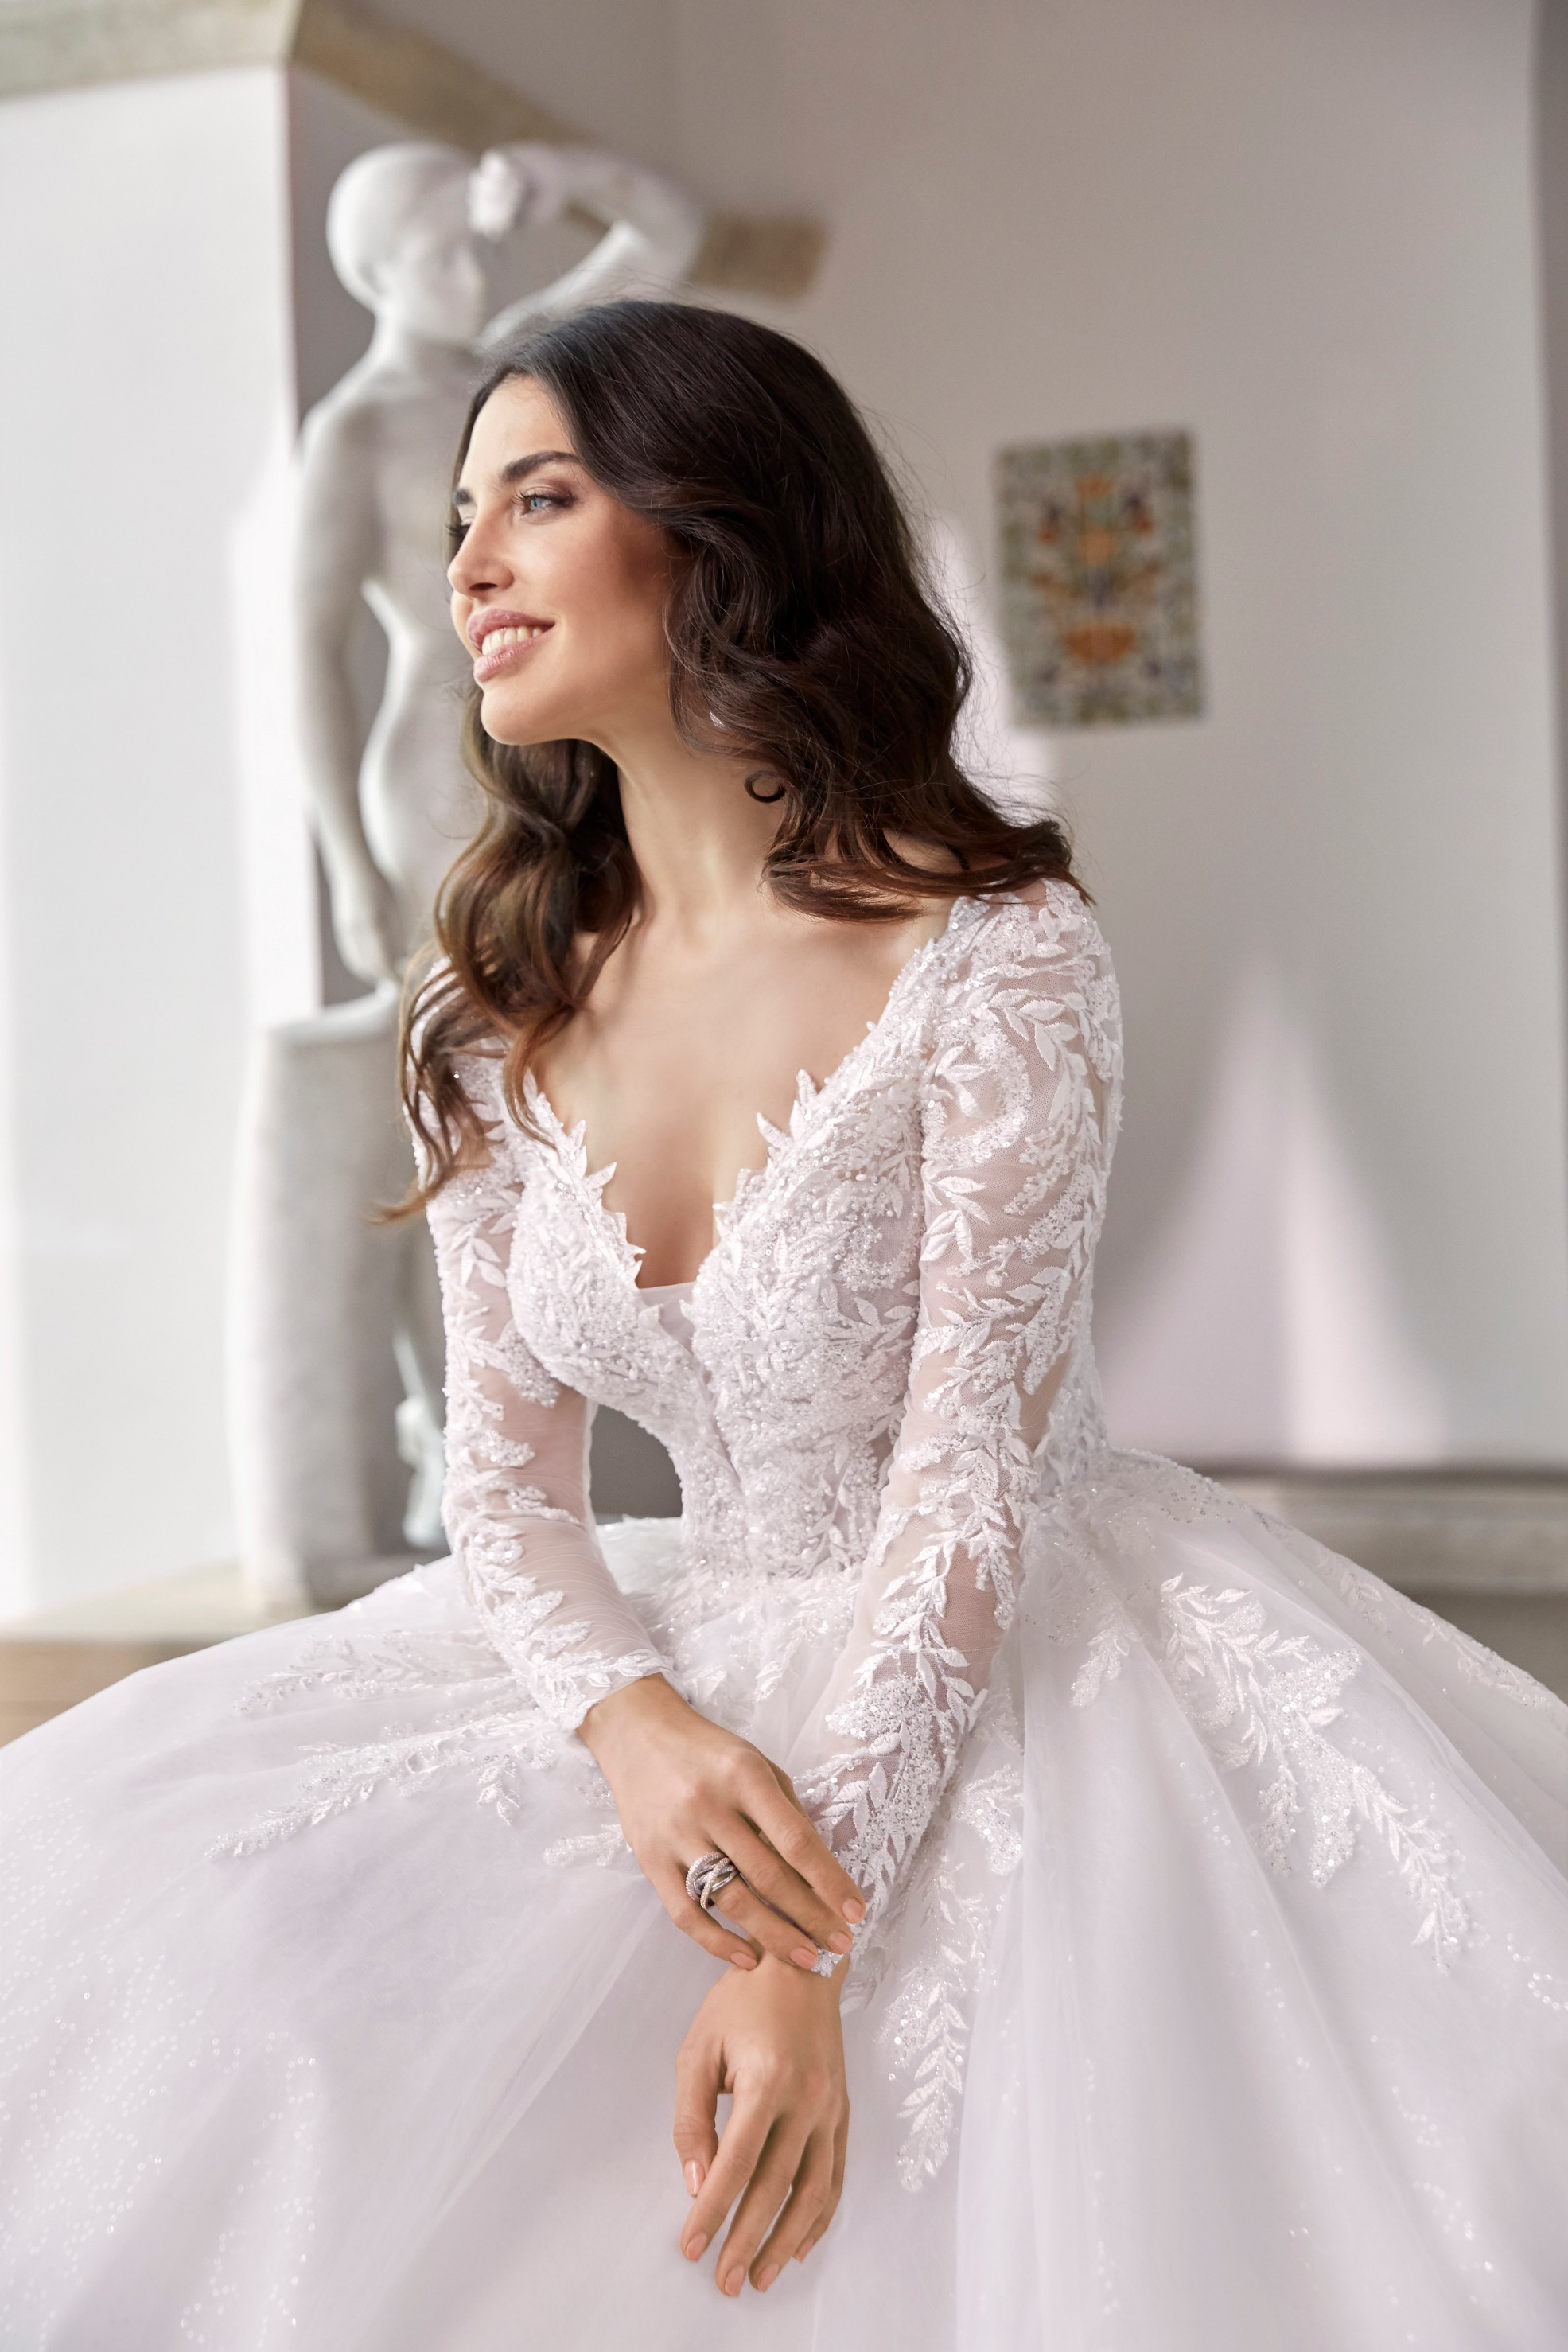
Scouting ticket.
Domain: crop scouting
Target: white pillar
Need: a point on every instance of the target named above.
(152, 885)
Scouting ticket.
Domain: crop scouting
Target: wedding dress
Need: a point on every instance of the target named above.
(1214, 1988)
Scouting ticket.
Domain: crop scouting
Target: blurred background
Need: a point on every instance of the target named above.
(1324, 241)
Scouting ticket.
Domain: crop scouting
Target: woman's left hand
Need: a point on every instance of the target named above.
(772, 2038)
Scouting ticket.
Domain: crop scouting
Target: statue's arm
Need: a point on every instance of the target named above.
(655, 234)
(337, 549)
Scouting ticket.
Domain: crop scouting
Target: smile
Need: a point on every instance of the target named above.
(500, 648)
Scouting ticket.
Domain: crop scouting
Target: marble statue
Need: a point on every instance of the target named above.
(337, 1356)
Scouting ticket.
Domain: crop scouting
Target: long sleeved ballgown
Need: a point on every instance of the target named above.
(1214, 1988)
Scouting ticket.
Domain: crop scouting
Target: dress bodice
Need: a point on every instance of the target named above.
(882, 1365)
(777, 1379)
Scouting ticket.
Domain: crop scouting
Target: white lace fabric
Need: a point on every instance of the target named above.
(876, 1398)
(516, 1503)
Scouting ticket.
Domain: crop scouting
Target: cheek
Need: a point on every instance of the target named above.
(637, 594)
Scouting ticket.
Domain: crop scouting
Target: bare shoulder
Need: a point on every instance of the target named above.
(347, 428)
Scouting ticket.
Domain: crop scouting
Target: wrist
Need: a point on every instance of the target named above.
(771, 1972)
(628, 1714)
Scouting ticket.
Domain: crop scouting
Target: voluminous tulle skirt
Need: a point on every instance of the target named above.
(1226, 2004)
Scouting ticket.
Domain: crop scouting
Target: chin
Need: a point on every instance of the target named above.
(509, 719)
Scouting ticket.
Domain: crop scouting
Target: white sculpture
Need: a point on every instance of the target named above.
(337, 1329)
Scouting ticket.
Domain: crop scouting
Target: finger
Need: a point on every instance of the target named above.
(740, 2148)
(805, 2215)
(698, 2071)
(771, 1877)
(765, 2192)
(796, 1838)
(777, 1935)
(835, 2190)
(694, 1921)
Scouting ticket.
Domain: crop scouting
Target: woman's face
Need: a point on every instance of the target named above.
(558, 591)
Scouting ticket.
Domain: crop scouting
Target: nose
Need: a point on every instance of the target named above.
(480, 562)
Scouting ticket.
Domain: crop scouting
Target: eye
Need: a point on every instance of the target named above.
(536, 501)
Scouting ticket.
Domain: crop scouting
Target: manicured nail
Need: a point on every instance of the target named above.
(697, 2248)
(742, 1960)
(765, 2281)
(841, 1942)
(805, 2250)
(854, 1913)
(804, 1960)
(694, 2177)
(735, 2282)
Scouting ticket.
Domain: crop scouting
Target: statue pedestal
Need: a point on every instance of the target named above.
(321, 1291)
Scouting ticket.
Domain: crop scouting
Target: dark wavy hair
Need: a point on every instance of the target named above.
(798, 618)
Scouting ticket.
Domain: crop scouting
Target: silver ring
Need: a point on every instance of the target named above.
(707, 1878)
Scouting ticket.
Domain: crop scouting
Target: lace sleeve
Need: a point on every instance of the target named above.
(516, 1505)
(1021, 1094)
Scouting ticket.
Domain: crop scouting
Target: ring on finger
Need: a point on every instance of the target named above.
(705, 1882)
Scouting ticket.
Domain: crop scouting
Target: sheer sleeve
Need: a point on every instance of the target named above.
(1020, 1105)
(516, 1502)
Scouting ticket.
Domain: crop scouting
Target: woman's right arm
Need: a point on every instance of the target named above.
(517, 1514)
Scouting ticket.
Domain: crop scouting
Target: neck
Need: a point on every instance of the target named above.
(396, 344)
(699, 838)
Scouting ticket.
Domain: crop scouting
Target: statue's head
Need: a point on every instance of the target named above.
(398, 232)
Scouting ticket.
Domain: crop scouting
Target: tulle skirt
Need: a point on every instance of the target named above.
(1225, 2005)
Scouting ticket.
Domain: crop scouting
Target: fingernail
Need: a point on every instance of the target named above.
(735, 2282)
(804, 1960)
(694, 2177)
(695, 2249)
(841, 1942)
(765, 2281)
(805, 2250)
(854, 1913)
(741, 1960)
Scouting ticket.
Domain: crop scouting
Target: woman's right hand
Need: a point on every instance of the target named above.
(685, 1786)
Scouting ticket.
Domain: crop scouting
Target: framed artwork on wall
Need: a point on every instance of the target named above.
(1099, 580)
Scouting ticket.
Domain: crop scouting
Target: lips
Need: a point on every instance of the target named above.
(499, 638)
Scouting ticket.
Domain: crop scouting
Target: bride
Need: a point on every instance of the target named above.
(1177, 1908)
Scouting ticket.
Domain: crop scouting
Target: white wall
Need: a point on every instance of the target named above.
(145, 407)
(1301, 228)
(1304, 230)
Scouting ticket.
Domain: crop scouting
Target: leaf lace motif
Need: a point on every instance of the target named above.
(502, 1526)
(1266, 1700)
(1019, 1118)
(949, 1916)
(490, 1735)
(1470, 1660)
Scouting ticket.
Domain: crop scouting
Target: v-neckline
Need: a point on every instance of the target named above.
(570, 1144)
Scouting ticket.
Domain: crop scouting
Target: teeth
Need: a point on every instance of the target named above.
(495, 639)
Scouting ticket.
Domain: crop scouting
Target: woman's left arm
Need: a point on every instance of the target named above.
(1020, 1117)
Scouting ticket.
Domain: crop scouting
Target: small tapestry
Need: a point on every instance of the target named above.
(1100, 590)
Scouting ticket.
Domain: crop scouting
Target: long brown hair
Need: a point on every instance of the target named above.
(797, 619)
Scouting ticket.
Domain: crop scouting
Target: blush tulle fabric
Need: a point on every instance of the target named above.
(1214, 1992)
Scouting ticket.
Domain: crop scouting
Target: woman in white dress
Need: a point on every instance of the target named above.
(1180, 1908)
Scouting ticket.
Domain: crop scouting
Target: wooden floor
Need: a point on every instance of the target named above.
(49, 1663)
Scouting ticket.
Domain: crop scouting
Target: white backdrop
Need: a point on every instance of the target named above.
(1304, 230)
(150, 872)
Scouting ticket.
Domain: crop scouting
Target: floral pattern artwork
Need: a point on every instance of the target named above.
(1099, 589)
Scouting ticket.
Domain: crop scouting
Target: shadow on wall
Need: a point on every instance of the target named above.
(1266, 1303)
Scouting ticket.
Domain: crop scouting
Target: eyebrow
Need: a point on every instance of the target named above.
(519, 468)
